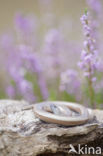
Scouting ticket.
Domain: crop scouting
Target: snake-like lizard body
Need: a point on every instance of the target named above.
(63, 113)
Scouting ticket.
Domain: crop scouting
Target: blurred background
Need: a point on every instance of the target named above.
(41, 43)
(55, 13)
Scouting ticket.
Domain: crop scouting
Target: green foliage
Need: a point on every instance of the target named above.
(33, 78)
(67, 97)
(52, 95)
(2, 94)
(85, 11)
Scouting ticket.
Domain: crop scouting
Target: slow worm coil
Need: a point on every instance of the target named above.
(63, 113)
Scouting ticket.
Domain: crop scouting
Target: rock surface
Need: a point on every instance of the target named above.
(22, 134)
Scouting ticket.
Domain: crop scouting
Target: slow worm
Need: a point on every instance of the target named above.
(63, 113)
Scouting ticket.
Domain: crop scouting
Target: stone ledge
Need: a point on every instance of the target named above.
(21, 133)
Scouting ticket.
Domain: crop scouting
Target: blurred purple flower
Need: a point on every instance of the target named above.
(53, 40)
(96, 6)
(26, 90)
(71, 83)
(53, 49)
(24, 24)
(26, 28)
(96, 11)
(99, 86)
(17, 73)
(6, 41)
(10, 91)
(32, 63)
(21, 60)
(100, 66)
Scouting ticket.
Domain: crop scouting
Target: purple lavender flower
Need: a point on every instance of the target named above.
(100, 66)
(32, 63)
(24, 24)
(70, 82)
(96, 11)
(24, 60)
(21, 60)
(17, 73)
(26, 27)
(26, 90)
(89, 56)
(95, 6)
(53, 40)
(99, 86)
(53, 49)
(10, 91)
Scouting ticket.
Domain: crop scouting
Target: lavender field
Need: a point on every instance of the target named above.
(52, 50)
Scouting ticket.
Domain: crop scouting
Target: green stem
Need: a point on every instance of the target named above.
(91, 93)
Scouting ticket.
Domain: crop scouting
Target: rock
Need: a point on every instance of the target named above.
(22, 134)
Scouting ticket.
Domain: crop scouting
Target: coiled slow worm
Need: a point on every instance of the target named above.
(65, 118)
